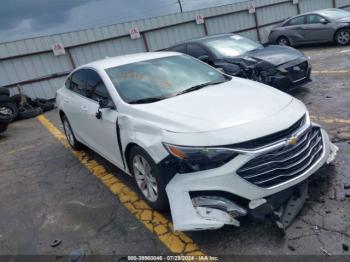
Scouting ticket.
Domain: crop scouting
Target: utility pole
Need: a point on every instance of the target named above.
(179, 1)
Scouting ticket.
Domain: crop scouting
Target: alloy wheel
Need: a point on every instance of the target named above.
(145, 179)
(68, 131)
(343, 37)
(283, 41)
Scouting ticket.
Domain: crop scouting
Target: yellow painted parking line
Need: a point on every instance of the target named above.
(177, 242)
(330, 71)
(330, 120)
(21, 149)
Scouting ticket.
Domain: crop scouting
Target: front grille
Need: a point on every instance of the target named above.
(283, 164)
(270, 139)
(297, 72)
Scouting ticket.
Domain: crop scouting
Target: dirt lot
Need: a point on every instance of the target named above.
(47, 192)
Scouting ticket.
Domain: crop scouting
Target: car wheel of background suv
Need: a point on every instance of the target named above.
(342, 36)
(283, 40)
(73, 142)
(149, 179)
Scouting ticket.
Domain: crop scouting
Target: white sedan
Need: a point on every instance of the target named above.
(213, 146)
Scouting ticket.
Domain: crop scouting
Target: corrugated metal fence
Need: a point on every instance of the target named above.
(31, 62)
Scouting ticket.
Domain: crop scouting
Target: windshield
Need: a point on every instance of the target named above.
(335, 13)
(231, 46)
(161, 78)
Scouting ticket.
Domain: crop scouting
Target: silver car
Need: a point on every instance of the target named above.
(328, 25)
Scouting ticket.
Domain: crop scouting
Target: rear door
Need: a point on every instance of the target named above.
(73, 103)
(315, 31)
(294, 29)
(101, 133)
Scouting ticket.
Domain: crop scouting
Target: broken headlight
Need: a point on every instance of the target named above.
(200, 158)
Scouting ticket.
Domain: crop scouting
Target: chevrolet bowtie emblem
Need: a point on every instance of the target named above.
(292, 140)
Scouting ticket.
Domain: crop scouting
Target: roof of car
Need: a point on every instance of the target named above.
(109, 62)
(319, 12)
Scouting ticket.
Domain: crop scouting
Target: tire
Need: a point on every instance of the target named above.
(342, 37)
(4, 91)
(27, 111)
(8, 112)
(3, 127)
(154, 195)
(73, 142)
(283, 41)
(5, 98)
(44, 104)
(17, 99)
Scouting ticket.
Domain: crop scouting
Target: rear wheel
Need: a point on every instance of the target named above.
(149, 179)
(73, 142)
(283, 40)
(342, 37)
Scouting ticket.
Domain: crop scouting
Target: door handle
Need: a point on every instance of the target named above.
(83, 108)
(66, 100)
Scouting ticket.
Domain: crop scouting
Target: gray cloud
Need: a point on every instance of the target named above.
(29, 18)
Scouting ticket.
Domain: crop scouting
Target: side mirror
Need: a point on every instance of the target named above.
(103, 103)
(204, 58)
(323, 21)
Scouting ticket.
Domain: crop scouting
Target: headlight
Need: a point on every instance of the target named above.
(200, 158)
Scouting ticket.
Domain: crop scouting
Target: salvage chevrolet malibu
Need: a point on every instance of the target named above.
(215, 147)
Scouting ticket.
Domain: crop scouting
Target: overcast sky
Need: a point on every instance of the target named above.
(21, 19)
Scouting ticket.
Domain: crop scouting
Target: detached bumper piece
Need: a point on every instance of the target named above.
(285, 215)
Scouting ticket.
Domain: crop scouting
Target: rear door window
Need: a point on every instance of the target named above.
(179, 48)
(300, 20)
(196, 50)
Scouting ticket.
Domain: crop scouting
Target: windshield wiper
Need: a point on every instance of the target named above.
(200, 86)
(147, 100)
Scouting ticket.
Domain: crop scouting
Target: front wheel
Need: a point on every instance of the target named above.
(149, 179)
(73, 142)
(342, 37)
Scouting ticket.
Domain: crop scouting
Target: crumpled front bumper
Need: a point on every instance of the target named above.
(183, 191)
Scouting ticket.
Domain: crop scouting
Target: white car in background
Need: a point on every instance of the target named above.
(214, 146)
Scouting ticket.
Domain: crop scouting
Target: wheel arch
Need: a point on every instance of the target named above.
(341, 28)
(61, 113)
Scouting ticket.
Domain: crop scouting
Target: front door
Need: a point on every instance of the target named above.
(316, 31)
(101, 133)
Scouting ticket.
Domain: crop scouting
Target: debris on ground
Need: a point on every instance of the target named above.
(345, 247)
(325, 251)
(56, 242)
(291, 248)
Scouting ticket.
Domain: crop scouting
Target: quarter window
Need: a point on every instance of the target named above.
(78, 83)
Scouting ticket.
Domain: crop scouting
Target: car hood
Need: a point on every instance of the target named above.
(344, 19)
(275, 55)
(229, 104)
